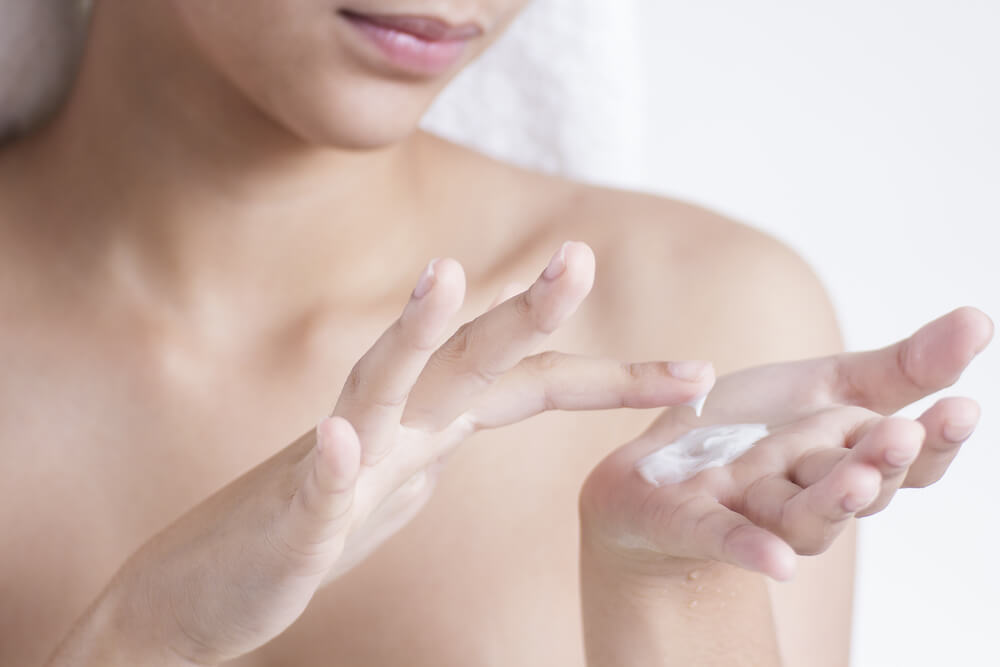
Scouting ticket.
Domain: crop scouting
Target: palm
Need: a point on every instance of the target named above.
(792, 492)
(832, 454)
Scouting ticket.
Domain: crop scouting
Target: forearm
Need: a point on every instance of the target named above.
(673, 614)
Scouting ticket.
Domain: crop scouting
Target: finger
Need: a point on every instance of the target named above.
(862, 482)
(809, 447)
(556, 381)
(810, 519)
(378, 386)
(890, 447)
(931, 359)
(489, 346)
(319, 511)
(948, 424)
(701, 527)
(816, 464)
(328, 491)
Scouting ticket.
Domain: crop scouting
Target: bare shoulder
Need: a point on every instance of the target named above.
(680, 279)
(672, 278)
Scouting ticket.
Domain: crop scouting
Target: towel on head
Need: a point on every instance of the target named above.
(562, 91)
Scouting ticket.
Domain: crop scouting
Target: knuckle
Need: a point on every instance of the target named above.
(640, 370)
(759, 510)
(633, 371)
(355, 379)
(391, 402)
(701, 525)
(408, 335)
(845, 383)
(522, 304)
(729, 536)
(545, 362)
(857, 423)
(857, 414)
(483, 376)
(542, 319)
(905, 359)
(275, 539)
(680, 518)
(459, 344)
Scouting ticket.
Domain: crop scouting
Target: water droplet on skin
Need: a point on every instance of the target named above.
(699, 588)
(692, 604)
(694, 574)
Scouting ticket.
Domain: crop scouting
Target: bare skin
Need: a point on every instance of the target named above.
(188, 316)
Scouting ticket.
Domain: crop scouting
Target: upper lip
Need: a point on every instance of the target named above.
(428, 28)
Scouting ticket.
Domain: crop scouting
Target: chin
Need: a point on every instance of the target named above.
(356, 115)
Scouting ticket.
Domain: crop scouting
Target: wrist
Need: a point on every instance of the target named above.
(103, 636)
(632, 561)
(644, 607)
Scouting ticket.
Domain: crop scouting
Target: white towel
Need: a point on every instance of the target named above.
(562, 91)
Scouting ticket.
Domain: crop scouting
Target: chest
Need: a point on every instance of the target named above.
(98, 454)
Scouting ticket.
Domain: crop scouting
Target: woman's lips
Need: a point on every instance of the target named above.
(417, 44)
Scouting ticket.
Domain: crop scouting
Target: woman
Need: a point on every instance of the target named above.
(227, 212)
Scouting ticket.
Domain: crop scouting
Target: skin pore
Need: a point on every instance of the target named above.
(227, 212)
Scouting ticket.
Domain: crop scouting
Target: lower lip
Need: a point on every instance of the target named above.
(408, 52)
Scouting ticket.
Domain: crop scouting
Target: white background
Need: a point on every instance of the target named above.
(865, 134)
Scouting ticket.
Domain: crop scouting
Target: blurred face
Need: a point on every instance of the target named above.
(346, 73)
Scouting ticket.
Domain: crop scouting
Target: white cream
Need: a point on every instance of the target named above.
(697, 450)
(698, 403)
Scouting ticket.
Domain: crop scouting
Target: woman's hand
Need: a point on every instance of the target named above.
(884, 380)
(793, 492)
(826, 460)
(241, 567)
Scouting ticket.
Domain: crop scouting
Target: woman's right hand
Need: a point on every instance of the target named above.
(239, 568)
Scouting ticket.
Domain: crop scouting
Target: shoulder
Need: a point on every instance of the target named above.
(680, 279)
(673, 279)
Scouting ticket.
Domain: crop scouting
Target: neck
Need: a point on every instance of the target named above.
(175, 180)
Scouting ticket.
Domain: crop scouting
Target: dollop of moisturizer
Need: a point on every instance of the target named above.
(700, 449)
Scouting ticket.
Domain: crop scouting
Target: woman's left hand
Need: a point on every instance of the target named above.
(831, 455)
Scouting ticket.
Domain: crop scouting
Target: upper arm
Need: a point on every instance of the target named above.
(682, 282)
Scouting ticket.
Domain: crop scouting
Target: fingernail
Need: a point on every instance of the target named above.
(689, 370)
(557, 265)
(957, 432)
(426, 281)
